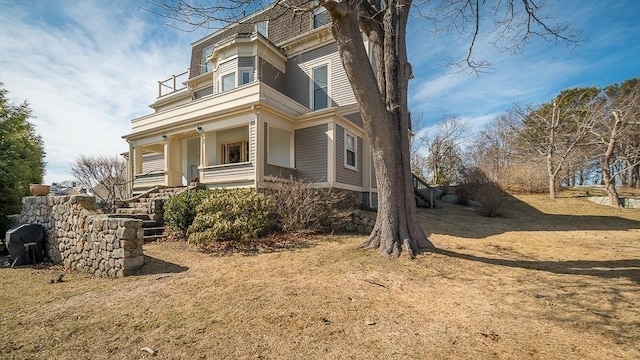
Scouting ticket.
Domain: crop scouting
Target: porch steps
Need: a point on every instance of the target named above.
(148, 207)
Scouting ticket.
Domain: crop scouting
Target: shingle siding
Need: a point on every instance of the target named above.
(283, 25)
(311, 153)
(345, 175)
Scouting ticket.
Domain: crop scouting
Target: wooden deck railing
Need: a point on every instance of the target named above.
(172, 84)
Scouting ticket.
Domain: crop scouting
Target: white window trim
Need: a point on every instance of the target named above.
(251, 75)
(355, 151)
(311, 83)
(266, 22)
(221, 80)
(205, 62)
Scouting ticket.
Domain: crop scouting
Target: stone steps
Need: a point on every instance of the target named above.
(147, 207)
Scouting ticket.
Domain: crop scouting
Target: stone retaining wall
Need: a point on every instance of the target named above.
(84, 240)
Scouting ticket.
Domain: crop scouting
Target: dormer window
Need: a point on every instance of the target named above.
(320, 16)
(204, 64)
(262, 28)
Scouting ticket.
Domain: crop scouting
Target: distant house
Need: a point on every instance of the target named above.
(267, 97)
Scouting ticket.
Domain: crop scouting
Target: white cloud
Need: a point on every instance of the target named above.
(87, 70)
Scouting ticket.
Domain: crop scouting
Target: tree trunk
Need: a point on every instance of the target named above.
(385, 120)
(607, 178)
(552, 175)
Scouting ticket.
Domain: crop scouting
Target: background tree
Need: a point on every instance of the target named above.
(492, 148)
(444, 148)
(554, 130)
(382, 94)
(21, 156)
(615, 131)
(104, 176)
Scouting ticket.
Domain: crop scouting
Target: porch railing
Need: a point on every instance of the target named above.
(172, 84)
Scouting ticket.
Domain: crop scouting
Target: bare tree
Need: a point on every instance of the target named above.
(104, 176)
(492, 149)
(553, 130)
(615, 121)
(382, 93)
(445, 149)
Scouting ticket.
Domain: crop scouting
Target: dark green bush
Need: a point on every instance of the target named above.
(180, 209)
(232, 215)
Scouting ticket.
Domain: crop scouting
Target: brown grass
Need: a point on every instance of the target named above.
(548, 280)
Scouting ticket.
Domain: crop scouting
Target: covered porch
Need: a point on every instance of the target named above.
(217, 154)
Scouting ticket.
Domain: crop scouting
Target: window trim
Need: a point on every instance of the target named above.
(266, 28)
(244, 155)
(206, 67)
(316, 12)
(346, 150)
(312, 83)
(248, 69)
(223, 76)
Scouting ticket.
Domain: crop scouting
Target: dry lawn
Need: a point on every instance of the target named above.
(548, 280)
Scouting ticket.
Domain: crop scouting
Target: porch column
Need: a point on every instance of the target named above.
(203, 155)
(167, 163)
(136, 167)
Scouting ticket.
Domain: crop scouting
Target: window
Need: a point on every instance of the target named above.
(350, 150)
(206, 66)
(262, 28)
(235, 152)
(246, 76)
(320, 16)
(228, 81)
(320, 91)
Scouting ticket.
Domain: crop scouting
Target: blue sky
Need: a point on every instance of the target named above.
(89, 67)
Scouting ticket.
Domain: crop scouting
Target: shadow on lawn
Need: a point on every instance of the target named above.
(515, 215)
(627, 268)
(158, 266)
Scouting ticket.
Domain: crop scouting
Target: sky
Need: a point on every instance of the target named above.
(87, 68)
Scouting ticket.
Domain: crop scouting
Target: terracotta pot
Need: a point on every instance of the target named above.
(39, 189)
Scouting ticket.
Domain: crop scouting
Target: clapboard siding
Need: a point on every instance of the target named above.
(203, 92)
(311, 153)
(298, 79)
(223, 69)
(246, 61)
(152, 162)
(230, 173)
(354, 118)
(345, 175)
(252, 142)
(374, 182)
(270, 75)
(279, 171)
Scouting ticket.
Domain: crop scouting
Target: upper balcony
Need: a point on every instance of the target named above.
(173, 84)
